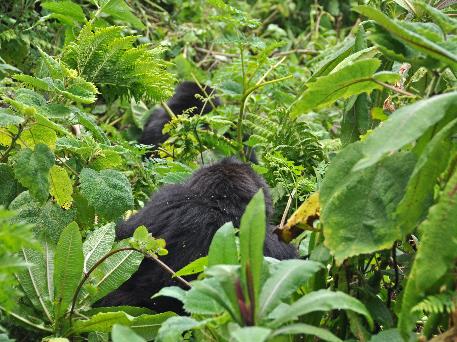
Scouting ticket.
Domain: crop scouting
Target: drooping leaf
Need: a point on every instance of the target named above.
(223, 247)
(322, 300)
(306, 329)
(172, 329)
(405, 126)
(287, 277)
(356, 78)
(97, 244)
(32, 170)
(358, 207)
(68, 267)
(252, 237)
(61, 186)
(108, 191)
(436, 254)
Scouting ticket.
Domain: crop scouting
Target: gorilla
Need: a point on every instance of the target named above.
(187, 216)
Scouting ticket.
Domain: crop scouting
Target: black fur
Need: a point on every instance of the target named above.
(183, 99)
(187, 216)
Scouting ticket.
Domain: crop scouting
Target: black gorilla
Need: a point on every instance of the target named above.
(183, 99)
(187, 216)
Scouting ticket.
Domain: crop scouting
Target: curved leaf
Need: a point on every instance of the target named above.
(306, 329)
(97, 244)
(322, 300)
(248, 334)
(122, 333)
(223, 247)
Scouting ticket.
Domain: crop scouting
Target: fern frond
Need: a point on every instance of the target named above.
(445, 302)
(106, 58)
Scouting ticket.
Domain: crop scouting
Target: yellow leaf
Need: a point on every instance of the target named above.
(61, 186)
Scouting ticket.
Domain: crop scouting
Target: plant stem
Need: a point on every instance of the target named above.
(13, 143)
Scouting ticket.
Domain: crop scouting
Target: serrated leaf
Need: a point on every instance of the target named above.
(322, 300)
(61, 186)
(356, 78)
(8, 185)
(404, 126)
(252, 237)
(285, 280)
(36, 282)
(32, 170)
(114, 271)
(108, 191)
(97, 244)
(436, 254)
(68, 267)
(89, 123)
(223, 248)
(374, 191)
(8, 119)
(38, 134)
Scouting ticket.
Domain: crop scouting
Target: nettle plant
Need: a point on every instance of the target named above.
(247, 297)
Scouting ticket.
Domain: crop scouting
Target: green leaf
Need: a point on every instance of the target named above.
(419, 192)
(322, 300)
(114, 271)
(333, 56)
(404, 126)
(443, 20)
(223, 247)
(248, 334)
(32, 170)
(61, 186)
(121, 333)
(252, 237)
(68, 267)
(172, 329)
(120, 10)
(143, 325)
(89, 123)
(356, 78)
(38, 134)
(36, 281)
(65, 10)
(194, 267)
(284, 281)
(97, 244)
(8, 185)
(391, 335)
(306, 329)
(436, 254)
(358, 207)
(108, 191)
(7, 119)
(411, 38)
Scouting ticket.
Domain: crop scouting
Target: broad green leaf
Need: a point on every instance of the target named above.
(333, 57)
(358, 207)
(120, 10)
(8, 119)
(391, 335)
(68, 267)
(108, 191)
(443, 20)
(356, 78)
(306, 329)
(195, 267)
(404, 126)
(36, 282)
(66, 10)
(285, 280)
(122, 333)
(114, 271)
(97, 244)
(144, 325)
(252, 237)
(197, 301)
(248, 334)
(38, 134)
(419, 192)
(172, 291)
(90, 124)
(61, 186)
(172, 329)
(409, 37)
(32, 170)
(223, 247)
(436, 254)
(8, 185)
(322, 300)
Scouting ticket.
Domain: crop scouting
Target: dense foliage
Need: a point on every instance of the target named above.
(350, 106)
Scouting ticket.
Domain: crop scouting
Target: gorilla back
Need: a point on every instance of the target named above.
(187, 217)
